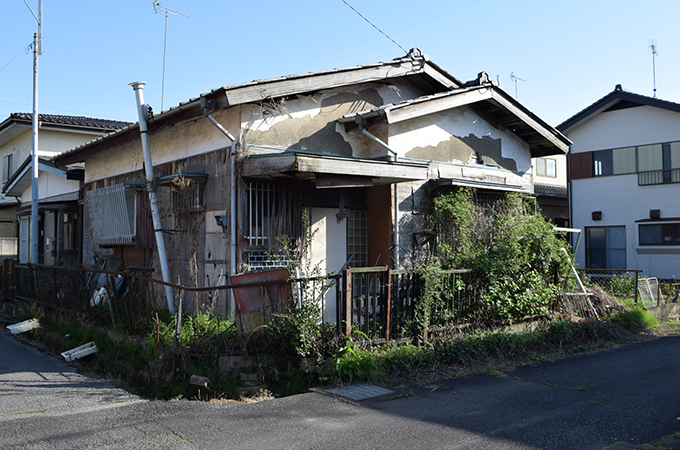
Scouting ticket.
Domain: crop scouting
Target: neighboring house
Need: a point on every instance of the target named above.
(624, 170)
(550, 188)
(354, 147)
(59, 190)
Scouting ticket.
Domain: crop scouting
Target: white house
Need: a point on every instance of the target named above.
(624, 170)
(550, 188)
(59, 190)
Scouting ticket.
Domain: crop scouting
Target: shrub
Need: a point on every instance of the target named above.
(516, 251)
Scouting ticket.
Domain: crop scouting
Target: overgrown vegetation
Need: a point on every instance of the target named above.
(517, 253)
(459, 321)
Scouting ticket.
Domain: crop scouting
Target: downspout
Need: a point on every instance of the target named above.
(151, 189)
(361, 121)
(205, 103)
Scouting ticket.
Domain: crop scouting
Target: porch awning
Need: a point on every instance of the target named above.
(307, 166)
(480, 184)
(23, 177)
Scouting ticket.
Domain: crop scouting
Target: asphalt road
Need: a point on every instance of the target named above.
(615, 399)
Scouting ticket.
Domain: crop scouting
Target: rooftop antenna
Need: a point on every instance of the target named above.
(515, 79)
(156, 7)
(652, 46)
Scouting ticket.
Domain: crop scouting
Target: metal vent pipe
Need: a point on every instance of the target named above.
(151, 190)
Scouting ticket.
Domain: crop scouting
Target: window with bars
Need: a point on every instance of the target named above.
(273, 209)
(189, 199)
(263, 204)
(70, 231)
(660, 234)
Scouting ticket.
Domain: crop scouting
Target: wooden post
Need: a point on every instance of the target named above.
(347, 296)
(388, 307)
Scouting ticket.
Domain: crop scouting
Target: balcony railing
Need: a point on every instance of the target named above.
(651, 177)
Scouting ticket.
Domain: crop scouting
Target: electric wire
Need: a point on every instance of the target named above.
(25, 50)
(371, 24)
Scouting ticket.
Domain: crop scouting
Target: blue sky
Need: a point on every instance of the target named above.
(570, 53)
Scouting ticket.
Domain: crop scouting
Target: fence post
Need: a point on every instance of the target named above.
(347, 297)
(388, 309)
(636, 287)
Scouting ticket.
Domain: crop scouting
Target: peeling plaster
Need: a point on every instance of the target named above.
(464, 150)
(450, 132)
(308, 123)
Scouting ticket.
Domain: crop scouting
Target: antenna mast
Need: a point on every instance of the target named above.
(515, 79)
(156, 6)
(652, 46)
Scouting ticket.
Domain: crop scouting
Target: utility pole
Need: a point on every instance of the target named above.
(37, 50)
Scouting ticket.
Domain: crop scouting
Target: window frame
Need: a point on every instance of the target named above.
(665, 230)
(589, 250)
(542, 167)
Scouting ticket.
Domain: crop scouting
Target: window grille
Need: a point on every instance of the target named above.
(262, 208)
(190, 199)
(112, 214)
(273, 209)
(660, 234)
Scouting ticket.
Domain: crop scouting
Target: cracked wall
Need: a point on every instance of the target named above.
(309, 122)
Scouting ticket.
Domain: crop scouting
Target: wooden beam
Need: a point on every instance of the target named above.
(437, 104)
(314, 82)
(287, 163)
(527, 119)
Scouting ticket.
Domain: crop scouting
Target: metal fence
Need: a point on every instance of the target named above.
(381, 303)
(622, 284)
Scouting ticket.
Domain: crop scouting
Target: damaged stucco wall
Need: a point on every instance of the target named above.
(455, 136)
(452, 142)
(169, 144)
(308, 122)
(197, 248)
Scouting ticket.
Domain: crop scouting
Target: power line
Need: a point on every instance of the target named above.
(371, 24)
(25, 51)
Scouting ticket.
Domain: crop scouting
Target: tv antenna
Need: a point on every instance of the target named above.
(515, 79)
(652, 47)
(156, 7)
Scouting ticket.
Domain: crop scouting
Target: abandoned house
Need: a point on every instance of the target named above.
(353, 147)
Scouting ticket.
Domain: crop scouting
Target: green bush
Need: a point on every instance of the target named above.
(636, 318)
(517, 253)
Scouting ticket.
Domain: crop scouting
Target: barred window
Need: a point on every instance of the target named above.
(660, 234)
(273, 209)
(189, 198)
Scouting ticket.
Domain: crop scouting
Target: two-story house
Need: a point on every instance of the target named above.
(59, 188)
(624, 170)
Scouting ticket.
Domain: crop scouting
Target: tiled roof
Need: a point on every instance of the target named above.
(548, 190)
(618, 94)
(71, 120)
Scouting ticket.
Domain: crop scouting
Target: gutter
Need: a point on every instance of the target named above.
(205, 103)
(360, 120)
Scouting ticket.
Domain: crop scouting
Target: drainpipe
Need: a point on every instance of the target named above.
(151, 189)
(205, 103)
(361, 121)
